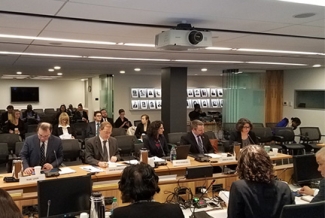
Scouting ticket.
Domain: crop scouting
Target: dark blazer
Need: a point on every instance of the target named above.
(77, 116)
(140, 130)
(4, 118)
(189, 139)
(258, 200)
(94, 152)
(150, 144)
(195, 115)
(235, 136)
(110, 120)
(20, 126)
(31, 151)
(57, 131)
(321, 194)
(119, 122)
(91, 129)
(148, 209)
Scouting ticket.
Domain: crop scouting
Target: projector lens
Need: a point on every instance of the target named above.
(195, 37)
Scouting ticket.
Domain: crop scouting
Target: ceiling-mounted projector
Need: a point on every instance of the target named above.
(184, 37)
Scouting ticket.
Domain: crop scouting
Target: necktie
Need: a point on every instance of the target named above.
(97, 132)
(42, 162)
(105, 155)
(200, 143)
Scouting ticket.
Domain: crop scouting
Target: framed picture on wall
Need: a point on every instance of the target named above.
(221, 102)
(204, 103)
(213, 93)
(150, 93)
(190, 93)
(143, 93)
(196, 101)
(197, 93)
(189, 103)
(215, 103)
(144, 104)
(134, 93)
(135, 104)
(204, 93)
(220, 92)
(152, 104)
(158, 93)
(158, 104)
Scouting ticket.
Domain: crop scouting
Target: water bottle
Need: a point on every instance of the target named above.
(173, 153)
(114, 205)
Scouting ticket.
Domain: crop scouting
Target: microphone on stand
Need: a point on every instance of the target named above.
(56, 159)
(48, 208)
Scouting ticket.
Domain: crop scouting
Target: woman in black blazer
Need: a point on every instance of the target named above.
(143, 126)
(122, 121)
(63, 129)
(155, 141)
(243, 134)
(15, 125)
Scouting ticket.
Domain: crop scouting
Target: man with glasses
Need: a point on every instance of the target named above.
(94, 126)
(42, 149)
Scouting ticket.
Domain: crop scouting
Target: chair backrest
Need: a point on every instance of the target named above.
(10, 139)
(175, 137)
(27, 134)
(126, 143)
(271, 125)
(71, 149)
(285, 132)
(118, 132)
(227, 129)
(210, 134)
(310, 133)
(80, 129)
(258, 125)
(137, 148)
(314, 210)
(31, 127)
(18, 147)
(4, 152)
(264, 134)
(136, 122)
(49, 111)
(39, 111)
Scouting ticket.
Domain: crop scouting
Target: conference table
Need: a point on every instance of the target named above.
(170, 177)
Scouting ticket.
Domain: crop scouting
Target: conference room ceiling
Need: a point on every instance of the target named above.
(264, 24)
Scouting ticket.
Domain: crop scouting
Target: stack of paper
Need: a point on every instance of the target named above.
(66, 170)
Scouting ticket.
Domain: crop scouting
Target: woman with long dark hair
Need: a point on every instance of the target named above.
(155, 141)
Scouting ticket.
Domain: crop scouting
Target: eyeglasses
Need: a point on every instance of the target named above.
(43, 136)
(246, 127)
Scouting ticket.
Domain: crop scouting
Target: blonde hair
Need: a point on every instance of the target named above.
(104, 124)
(11, 116)
(64, 116)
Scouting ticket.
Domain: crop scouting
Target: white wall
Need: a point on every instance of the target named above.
(308, 79)
(51, 93)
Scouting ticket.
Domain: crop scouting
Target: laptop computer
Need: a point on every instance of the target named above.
(182, 152)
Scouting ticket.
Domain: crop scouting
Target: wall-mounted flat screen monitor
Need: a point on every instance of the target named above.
(24, 94)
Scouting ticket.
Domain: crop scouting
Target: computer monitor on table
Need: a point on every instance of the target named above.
(305, 169)
(65, 197)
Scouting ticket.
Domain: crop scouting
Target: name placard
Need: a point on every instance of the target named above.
(31, 179)
(115, 168)
(227, 159)
(271, 154)
(183, 162)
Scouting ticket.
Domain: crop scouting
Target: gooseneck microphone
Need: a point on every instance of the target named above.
(250, 139)
(56, 159)
(48, 208)
(207, 189)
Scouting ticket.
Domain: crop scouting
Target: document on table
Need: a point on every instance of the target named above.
(92, 169)
(212, 155)
(66, 170)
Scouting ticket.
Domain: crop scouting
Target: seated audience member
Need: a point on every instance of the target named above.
(102, 148)
(63, 129)
(155, 141)
(30, 116)
(62, 109)
(199, 141)
(122, 121)
(6, 115)
(40, 150)
(80, 115)
(105, 117)
(243, 134)
(319, 194)
(8, 208)
(197, 113)
(257, 194)
(71, 110)
(15, 125)
(294, 123)
(143, 126)
(138, 185)
(94, 126)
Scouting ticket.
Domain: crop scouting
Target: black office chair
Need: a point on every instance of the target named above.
(80, 129)
(310, 136)
(49, 111)
(312, 210)
(4, 152)
(258, 125)
(11, 140)
(227, 129)
(285, 137)
(271, 125)
(18, 147)
(136, 122)
(27, 134)
(126, 144)
(118, 132)
(211, 135)
(31, 127)
(174, 138)
(71, 149)
(265, 137)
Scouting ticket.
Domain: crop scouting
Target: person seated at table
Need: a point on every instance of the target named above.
(6, 115)
(71, 110)
(155, 142)
(198, 140)
(63, 129)
(122, 121)
(8, 208)
(15, 125)
(318, 193)
(105, 117)
(30, 116)
(80, 115)
(42, 149)
(138, 185)
(143, 126)
(61, 110)
(243, 134)
(294, 122)
(102, 148)
(197, 113)
(257, 194)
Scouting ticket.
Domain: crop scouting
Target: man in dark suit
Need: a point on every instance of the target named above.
(5, 115)
(80, 115)
(199, 141)
(42, 149)
(94, 126)
(102, 148)
(105, 117)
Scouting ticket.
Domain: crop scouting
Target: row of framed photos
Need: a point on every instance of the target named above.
(156, 104)
(191, 93)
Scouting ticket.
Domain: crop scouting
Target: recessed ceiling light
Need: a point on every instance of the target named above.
(19, 72)
(304, 15)
(57, 67)
(59, 74)
(120, 43)
(204, 69)
(317, 65)
(137, 69)
(51, 70)
(122, 72)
